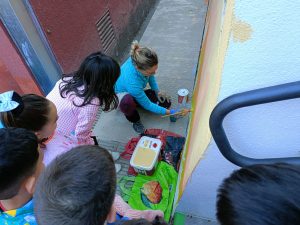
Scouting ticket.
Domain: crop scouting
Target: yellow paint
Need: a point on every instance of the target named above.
(241, 30)
(213, 51)
(12, 212)
(144, 157)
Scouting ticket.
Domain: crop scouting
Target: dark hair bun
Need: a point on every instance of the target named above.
(17, 98)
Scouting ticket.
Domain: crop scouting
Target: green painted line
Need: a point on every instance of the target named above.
(179, 219)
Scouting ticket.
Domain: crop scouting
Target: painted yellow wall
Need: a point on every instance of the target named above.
(206, 90)
(248, 44)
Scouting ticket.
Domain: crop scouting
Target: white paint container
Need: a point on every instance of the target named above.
(145, 156)
(183, 96)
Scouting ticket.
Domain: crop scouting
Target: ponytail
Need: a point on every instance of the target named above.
(142, 57)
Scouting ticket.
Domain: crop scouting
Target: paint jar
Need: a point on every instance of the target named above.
(183, 97)
(173, 119)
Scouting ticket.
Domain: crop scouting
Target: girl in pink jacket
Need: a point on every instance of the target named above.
(80, 98)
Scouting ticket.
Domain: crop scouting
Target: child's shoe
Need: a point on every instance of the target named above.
(138, 127)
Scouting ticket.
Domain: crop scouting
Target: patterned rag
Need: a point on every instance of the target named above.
(172, 151)
(21, 216)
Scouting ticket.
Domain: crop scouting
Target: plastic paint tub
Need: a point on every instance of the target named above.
(145, 156)
(183, 96)
(173, 119)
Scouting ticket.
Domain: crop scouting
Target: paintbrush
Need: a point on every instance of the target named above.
(174, 114)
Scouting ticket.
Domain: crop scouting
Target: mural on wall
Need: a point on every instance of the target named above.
(262, 50)
(221, 24)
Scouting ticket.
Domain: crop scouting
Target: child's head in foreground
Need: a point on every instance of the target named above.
(30, 111)
(77, 188)
(20, 163)
(260, 195)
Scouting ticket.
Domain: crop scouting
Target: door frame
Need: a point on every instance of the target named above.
(45, 74)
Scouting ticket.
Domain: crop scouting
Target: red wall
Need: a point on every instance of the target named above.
(14, 73)
(70, 26)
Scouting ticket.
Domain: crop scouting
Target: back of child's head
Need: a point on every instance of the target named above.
(31, 111)
(95, 78)
(260, 194)
(76, 188)
(156, 221)
(18, 159)
(142, 57)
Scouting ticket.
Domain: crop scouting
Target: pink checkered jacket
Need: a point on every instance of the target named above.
(74, 124)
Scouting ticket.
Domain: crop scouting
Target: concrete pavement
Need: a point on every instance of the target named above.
(175, 32)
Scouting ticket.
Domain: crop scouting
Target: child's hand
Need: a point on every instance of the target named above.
(111, 218)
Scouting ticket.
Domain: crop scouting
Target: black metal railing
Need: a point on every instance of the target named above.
(245, 99)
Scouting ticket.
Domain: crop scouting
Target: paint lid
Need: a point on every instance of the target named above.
(183, 92)
(146, 153)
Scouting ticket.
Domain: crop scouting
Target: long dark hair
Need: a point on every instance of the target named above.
(96, 77)
(32, 112)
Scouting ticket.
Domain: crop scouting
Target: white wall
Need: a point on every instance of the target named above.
(270, 57)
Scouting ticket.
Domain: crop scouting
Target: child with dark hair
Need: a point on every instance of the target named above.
(29, 111)
(260, 194)
(20, 165)
(78, 187)
(79, 98)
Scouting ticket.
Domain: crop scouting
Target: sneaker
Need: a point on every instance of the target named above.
(118, 167)
(138, 127)
(115, 155)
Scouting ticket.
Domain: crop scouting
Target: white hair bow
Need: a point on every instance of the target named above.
(6, 102)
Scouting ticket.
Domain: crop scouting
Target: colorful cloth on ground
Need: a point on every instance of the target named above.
(172, 151)
(74, 124)
(21, 216)
(172, 146)
(133, 82)
(155, 192)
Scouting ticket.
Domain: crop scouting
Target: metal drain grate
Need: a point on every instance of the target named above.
(106, 32)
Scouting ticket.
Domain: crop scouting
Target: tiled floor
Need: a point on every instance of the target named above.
(117, 147)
